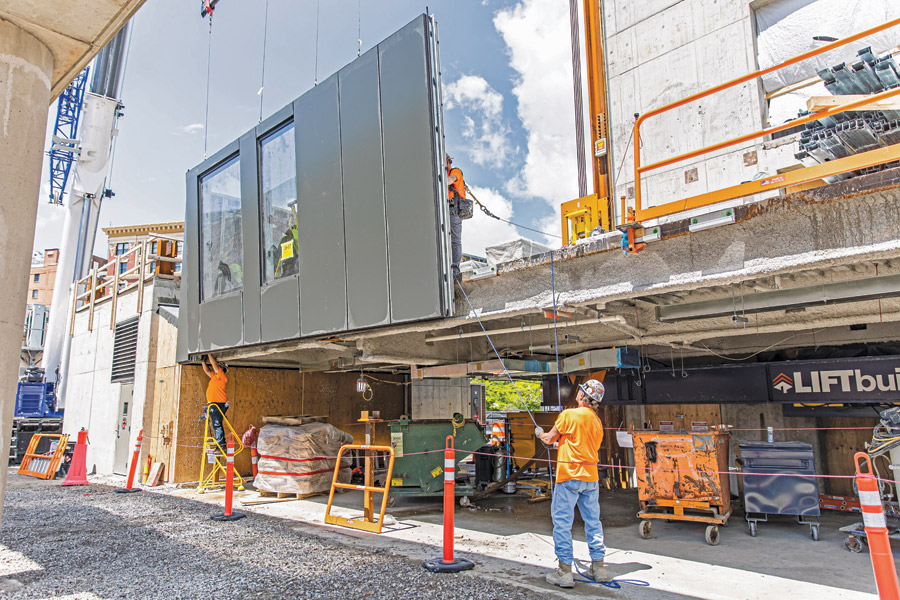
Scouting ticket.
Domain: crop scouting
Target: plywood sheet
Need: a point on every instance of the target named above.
(841, 439)
(251, 393)
(682, 415)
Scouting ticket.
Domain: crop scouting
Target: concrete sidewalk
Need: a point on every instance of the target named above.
(510, 541)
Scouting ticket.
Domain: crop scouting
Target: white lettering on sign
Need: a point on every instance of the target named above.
(839, 380)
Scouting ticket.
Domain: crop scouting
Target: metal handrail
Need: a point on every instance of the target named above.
(641, 213)
(138, 274)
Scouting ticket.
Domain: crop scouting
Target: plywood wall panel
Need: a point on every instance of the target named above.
(841, 439)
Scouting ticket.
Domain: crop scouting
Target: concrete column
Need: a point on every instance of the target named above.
(25, 69)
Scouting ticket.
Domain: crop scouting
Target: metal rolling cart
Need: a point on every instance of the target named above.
(768, 493)
(683, 476)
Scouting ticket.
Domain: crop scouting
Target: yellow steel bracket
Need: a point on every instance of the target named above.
(364, 523)
(580, 217)
(213, 476)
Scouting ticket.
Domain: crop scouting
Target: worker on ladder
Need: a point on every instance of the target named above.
(216, 398)
(579, 433)
(460, 208)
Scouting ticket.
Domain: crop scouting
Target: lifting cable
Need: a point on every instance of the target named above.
(262, 83)
(555, 334)
(208, 61)
(508, 376)
(486, 211)
(316, 68)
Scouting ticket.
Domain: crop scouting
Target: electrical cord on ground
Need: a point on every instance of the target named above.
(487, 211)
(613, 584)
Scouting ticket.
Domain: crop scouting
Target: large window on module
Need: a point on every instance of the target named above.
(278, 183)
(221, 241)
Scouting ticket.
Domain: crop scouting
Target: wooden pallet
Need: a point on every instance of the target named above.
(291, 496)
(292, 419)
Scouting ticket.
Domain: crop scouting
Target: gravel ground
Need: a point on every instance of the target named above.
(90, 543)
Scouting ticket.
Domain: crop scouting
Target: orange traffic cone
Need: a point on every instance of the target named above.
(77, 474)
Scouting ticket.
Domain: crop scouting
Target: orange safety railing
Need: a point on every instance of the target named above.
(44, 465)
(804, 175)
(92, 289)
(367, 522)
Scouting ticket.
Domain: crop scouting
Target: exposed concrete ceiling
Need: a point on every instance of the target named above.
(74, 31)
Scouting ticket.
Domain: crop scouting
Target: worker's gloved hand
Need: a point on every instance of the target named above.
(538, 431)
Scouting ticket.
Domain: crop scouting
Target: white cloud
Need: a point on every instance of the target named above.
(485, 134)
(481, 230)
(537, 34)
(192, 128)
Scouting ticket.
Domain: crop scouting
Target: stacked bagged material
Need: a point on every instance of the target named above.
(293, 459)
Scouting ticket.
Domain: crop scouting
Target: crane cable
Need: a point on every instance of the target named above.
(487, 212)
(208, 62)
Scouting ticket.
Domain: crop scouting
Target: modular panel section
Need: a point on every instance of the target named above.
(189, 310)
(320, 211)
(280, 317)
(280, 294)
(409, 176)
(250, 234)
(368, 289)
(220, 323)
(329, 216)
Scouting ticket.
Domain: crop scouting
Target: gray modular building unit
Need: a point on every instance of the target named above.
(330, 215)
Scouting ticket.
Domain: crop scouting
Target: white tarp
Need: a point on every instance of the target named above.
(514, 249)
(296, 459)
(787, 27)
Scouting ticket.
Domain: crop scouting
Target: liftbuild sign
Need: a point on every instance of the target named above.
(860, 380)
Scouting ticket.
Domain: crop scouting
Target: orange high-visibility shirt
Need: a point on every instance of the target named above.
(581, 435)
(215, 391)
(459, 185)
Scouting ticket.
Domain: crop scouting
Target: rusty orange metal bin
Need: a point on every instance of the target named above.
(683, 476)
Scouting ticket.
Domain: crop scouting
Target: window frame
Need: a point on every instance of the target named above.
(268, 134)
(233, 157)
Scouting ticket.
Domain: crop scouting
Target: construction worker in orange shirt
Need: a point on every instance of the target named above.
(579, 433)
(216, 398)
(460, 208)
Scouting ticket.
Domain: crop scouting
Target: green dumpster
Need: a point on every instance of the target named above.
(417, 474)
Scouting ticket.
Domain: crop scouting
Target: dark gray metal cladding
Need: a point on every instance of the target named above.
(370, 207)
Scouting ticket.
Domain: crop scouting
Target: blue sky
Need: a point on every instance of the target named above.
(506, 75)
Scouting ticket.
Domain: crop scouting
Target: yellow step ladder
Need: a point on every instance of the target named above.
(213, 460)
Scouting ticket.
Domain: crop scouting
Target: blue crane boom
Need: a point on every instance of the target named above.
(64, 147)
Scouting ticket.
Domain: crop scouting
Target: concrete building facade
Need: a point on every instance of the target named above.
(42, 48)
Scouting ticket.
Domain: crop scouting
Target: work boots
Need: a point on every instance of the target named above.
(562, 576)
(598, 571)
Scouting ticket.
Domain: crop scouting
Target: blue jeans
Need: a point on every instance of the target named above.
(217, 416)
(587, 496)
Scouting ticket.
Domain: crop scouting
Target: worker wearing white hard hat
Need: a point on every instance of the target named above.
(579, 433)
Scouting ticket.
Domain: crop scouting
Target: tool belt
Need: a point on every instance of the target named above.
(464, 207)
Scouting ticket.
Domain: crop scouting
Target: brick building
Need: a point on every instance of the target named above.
(124, 239)
(42, 276)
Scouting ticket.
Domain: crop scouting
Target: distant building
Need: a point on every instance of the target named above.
(42, 276)
(124, 239)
